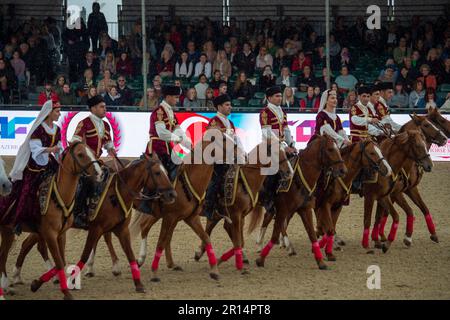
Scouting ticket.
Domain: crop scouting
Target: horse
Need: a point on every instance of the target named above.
(190, 185)
(409, 185)
(76, 160)
(401, 152)
(439, 121)
(250, 179)
(113, 212)
(321, 154)
(5, 184)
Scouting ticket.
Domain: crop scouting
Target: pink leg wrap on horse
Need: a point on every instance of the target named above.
(135, 272)
(46, 277)
(430, 224)
(62, 280)
(267, 249)
(383, 224)
(227, 255)
(323, 241)
(375, 232)
(316, 251)
(409, 224)
(365, 239)
(155, 263)
(393, 232)
(330, 241)
(211, 255)
(80, 266)
(239, 258)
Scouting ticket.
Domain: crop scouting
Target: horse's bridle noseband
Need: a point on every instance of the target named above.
(330, 163)
(84, 169)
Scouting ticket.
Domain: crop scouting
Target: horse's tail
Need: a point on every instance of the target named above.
(255, 217)
(137, 219)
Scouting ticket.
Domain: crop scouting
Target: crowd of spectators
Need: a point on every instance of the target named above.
(206, 58)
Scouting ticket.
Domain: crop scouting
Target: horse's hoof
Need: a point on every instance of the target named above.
(260, 262)
(370, 252)
(292, 253)
(385, 247)
(89, 274)
(341, 243)
(140, 262)
(155, 279)
(198, 255)
(322, 265)
(434, 238)
(331, 257)
(220, 262)
(383, 238)
(407, 242)
(378, 245)
(116, 273)
(68, 296)
(245, 271)
(214, 276)
(177, 268)
(35, 285)
(140, 289)
(56, 281)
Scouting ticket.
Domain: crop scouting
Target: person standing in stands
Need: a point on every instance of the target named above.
(96, 25)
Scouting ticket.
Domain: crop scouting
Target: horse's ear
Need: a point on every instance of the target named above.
(417, 120)
(402, 138)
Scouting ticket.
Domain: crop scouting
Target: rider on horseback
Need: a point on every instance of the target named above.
(382, 108)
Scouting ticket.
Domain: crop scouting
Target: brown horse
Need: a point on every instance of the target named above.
(77, 159)
(190, 185)
(5, 184)
(321, 154)
(249, 181)
(401, 152)
(114, 212)
(439, 121)
(408, 184)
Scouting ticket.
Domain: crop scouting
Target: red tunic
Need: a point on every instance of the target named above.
(157, 145)
(358, 132)
(268, 118)
(322, 118)
(87, 131)
(216, 122)
(381, 110)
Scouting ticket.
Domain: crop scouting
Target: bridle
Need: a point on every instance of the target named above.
(83, 168)
(329, 164)
(374, 165)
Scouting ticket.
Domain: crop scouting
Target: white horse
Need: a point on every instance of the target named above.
(5, 184)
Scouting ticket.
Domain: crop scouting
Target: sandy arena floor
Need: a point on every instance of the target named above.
(420, 272)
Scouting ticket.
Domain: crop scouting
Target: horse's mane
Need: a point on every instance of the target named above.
(348, 149)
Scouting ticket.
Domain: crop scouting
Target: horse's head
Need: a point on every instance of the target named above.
(157, 180)
(439, 120)
(413, 141)
(5, 184)
(330, 156)
(430, 131)
(82, 161)
(372, 158)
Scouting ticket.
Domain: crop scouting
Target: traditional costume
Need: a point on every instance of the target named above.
(382, 109)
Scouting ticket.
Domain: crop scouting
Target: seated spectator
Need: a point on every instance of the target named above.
(152, 100)
(417, 94)
(350, 100)
(175, 37)
(191, 102)
(177, 83)
(106, 83)
(322, 81)
(208, 103)
(67, 97)
(340, 95)
(157, 85)
(446, 106)
(123, 46)
(288, 102)
(335, 47)
(311, 102)
(444, 75)
(90, 62)
(413, 72)
(346, 59)
(388, 75)
(19, 66)
(243, 89)
(193, 54)
(124, 65)
(184, 67)
(267, 79)
(246, 60)
(286, 79)
(430, 100)
(427, 79)
(203, 67)
(416, 59)
(60, 82)
(300, 62)
(47, 94)
(7, 81)
(125, 92)
(263, 59)
(346, 81)
(109, 64)
(402, 51)
(405, 80)
(223, 89)
(165, 66)
(201, 87)
(86, 83)
(281, 60)
(434, 62)
(112, 97)
(223, 65)
(208, 49)
(272, 48)
(216, 80)
(400, 98)
(306, 79)
(90, 92)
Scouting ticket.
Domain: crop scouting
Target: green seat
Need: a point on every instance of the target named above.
(259, 95)
(300, 95)
(236, 103)
(254, 103)
(445, 87)
(297, 73)
(441, 94)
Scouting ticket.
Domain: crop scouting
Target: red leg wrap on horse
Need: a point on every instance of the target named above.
(383, 224)
(430, 224)
(135, 272)
(365, 239)
(330, 241)
(155, 263)
(62, 280)
(375, 232)
(409, 224)
(323, 241)
(316, 251)
(227, 255)
(239, 258)
(1, 292)
(267, 249)
(393, 232)
(211, 255)
(46, 277)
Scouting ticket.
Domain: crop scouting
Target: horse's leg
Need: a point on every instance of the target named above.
(168, 225)
(328, 228)
(210, 225)
(90, 272)
(115, 260)
(387, 204)
(260, 239)
(169, 257)
(227, 255)
(194, 222)
(26, 247)
(284, 236)
(62, 246)
(145, 229)
(307, 219)
(280, 217)
(401, 201)
(123, 233)
(377, 226)
(335, 216)
(244, 256)
(369, 200)
(415, 196)
(88, 254)
(7, 241)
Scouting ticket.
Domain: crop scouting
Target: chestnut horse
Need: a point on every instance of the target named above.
(401, 152)
(76, 160)
(190, 185)
(408, 185)
(5, 184)
(249, 181)
(114, 212)
(321, 154)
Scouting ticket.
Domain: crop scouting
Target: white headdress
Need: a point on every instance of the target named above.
(24, 153)
(323, 99)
